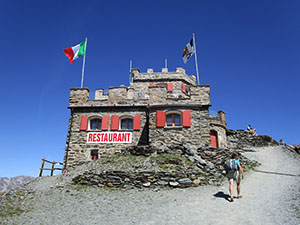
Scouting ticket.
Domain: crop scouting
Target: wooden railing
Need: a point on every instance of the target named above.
(52, 167)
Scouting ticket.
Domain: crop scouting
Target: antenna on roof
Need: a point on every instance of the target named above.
(166, 63)
(130, 74)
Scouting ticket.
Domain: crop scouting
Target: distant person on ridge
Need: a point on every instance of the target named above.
(249, 127)
(234, 173)
(253, 131)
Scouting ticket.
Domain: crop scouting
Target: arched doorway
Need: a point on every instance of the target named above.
(214, 138)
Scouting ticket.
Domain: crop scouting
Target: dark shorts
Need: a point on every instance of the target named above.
(234, 175)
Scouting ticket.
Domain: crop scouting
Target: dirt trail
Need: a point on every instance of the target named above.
(271, 196)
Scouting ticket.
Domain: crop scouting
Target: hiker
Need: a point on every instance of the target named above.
(249, 127)
(253, 131)
(234, 173)
(281, 142)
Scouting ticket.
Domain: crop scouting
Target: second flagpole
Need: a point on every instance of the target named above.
(83, 64)
(196, 58)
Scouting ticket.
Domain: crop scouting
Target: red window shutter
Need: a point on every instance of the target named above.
(84, 123)
(160, 118)
(137, 122)
(152, 85)
(186, 118)
(105, 123)
(114, 123)
(183, 88)
(170, 86)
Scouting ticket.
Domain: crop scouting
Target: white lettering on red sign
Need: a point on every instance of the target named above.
(109, 137)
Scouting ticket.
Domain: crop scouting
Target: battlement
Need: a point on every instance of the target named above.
(162, 76)
(218, 118)
(147, 89)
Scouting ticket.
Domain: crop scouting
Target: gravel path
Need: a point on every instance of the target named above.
(271, 196)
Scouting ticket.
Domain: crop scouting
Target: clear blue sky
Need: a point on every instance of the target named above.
(248, 52)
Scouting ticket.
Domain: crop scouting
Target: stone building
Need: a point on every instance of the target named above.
(157, 109)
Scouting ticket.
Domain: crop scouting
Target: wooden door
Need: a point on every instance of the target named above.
(214, 138)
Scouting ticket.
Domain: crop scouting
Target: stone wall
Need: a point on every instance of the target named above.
(77, 148)
(197, 134)
(239, 139)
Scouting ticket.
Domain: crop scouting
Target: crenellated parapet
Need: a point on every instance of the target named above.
(219, 120)
(147, 88)
(78, 96)
(163, 76)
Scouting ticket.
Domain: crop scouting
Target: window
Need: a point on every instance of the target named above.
(95, 124)
(127, 124)
(94, 154)
(173, 120)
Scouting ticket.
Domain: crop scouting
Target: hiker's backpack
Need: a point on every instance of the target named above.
(230, 165)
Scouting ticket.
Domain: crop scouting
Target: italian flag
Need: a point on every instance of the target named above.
(75, 51)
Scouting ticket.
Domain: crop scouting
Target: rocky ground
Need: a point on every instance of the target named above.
(192, 167)
(271, 196)
(295, 148)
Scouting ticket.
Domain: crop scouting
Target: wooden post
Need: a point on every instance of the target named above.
(42, 167)
(52, 168)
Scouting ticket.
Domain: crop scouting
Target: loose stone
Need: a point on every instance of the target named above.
(147, 184)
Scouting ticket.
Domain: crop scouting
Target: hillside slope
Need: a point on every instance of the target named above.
(271, 196)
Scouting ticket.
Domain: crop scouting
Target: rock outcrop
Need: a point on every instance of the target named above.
(240, 139)
(174, 166)
(295, 148)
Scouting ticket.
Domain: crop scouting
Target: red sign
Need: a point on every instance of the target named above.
(109, 137)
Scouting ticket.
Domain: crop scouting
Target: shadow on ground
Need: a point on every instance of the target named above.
(221, 194)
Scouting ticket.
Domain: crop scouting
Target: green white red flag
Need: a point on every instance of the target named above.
(76, 51)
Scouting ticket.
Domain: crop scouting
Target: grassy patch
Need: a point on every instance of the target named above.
(132, 162)
(122, 158)
(9, 209)
(297, 210)
(175, 159)
(130, 169)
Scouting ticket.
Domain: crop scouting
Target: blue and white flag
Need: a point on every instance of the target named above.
(188, 51)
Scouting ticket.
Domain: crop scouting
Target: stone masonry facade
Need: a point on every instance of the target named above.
(157, 109)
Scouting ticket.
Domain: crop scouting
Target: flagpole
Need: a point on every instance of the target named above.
(196, 58)
(130, 75)
(82, 76)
